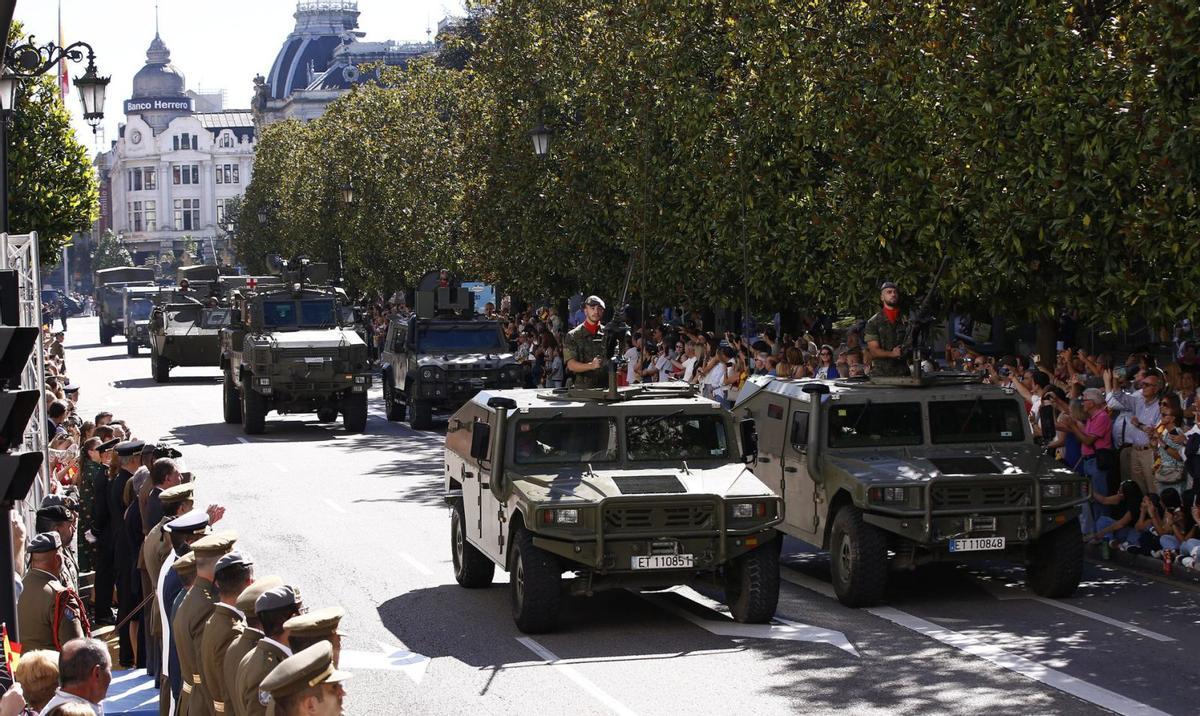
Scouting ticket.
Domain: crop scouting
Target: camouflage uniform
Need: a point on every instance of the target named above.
(87, 499)
(583, 346)
(889, 335)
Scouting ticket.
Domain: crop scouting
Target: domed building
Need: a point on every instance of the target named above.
(319, 61)
(173, 169)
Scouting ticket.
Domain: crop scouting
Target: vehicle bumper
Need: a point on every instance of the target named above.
(1019, 529)
(615, 556)
(311, 391)
(455, 394)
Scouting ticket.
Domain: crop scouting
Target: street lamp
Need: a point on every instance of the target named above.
(28, 60)
(8, 93)
(262, 215)
(348, 194)
(541, 139)
(91, 88)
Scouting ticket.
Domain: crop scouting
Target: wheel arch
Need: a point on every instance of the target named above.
(840, 499)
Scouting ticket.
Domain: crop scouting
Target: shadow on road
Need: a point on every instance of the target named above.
(115, 356)
(150, 382)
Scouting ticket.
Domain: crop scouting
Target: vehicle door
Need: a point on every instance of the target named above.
(398, 354)
(484, 510)
(770, 424)
(799, 491)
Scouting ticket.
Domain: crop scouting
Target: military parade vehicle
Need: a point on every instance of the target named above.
(292, 347)
(637, 487)
(137, 302)
(110, 300)
(185, 331)
(438, 357)
(891, 473)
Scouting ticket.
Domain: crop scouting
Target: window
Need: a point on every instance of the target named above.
(151, 213)
(226, 140)
(184, 141)
(221, 210)
(142, 178)
(800, 429)
(573, 440)
(460, 338)
(976, 421)
(185, 173)
(675, 436)
(873, 424)
(227, 174)
(142, 216)
(175, 142)
(187, 214)
(135, 216)
(135, 180)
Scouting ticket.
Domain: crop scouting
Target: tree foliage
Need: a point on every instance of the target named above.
(110, 252)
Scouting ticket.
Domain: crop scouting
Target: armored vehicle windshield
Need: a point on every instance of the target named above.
(139, 309)
(459, 337)
(284, 313)
(975, 421)
(676, 436)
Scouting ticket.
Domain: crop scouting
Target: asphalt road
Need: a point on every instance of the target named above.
(357, 521)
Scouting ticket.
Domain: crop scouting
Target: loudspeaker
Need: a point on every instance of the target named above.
(10, 303)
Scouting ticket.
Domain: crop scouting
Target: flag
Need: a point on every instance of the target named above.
(12, 653)
(63, 83)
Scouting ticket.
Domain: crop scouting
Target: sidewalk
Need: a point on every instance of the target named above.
(1143, 563)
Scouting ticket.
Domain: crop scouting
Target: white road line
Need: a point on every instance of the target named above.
(629, 658)
(1005, 594)
(412, 562)
(243, 440)
(810, 583)
(1030, 669)
(336, 507)
(580, 680)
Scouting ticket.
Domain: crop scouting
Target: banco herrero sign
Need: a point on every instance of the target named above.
(175, 104)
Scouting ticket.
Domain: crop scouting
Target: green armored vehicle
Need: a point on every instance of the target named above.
(293, 348)
(438, 357)
(638, 487)
(110, 299)
(893, 473)
(137, 303)
(186, 323)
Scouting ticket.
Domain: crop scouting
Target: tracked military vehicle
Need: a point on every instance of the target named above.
(137, 303)
(638, 487)
(888, 474)
(110, 298)
(293, 348)
(441, 355)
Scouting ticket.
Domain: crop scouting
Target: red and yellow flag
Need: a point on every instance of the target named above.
(12, 654)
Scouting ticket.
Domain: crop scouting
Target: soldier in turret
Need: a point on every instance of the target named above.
(884, 335)
(584, 347)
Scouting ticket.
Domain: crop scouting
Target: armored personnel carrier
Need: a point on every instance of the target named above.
(185, 331)
(110, 300)
(638, 487)
(441, 355)
(293, 348)
(137, 302)
(888, 474)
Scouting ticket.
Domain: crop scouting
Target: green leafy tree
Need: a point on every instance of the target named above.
(110, 252)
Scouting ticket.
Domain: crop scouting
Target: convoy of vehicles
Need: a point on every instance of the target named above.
(110, 297)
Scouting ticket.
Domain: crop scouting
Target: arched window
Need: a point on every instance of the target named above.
(226, 140)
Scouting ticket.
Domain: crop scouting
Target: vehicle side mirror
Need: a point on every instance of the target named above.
(481, 440)
(749, 436)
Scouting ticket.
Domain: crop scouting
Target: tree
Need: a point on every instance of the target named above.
(52, 186)
(110, 252)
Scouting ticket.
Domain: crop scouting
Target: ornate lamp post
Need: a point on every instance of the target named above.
(541, 139)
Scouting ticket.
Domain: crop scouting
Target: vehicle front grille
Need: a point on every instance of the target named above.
(473, 373)
(982, 496)
(696, 516)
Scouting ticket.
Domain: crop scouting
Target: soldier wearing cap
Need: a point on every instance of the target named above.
(173, 583)
(95, 504)
(184, 571)
(584, 347)
(304, 630)
(233, 574)
(49, 613)
(155, 550)
(884, 334)
(188, 626)
(61, 520)
(274, 607)
(129, 456)
(246, 641)
(307, 682)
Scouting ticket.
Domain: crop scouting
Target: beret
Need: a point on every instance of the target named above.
(54, 513)
(245, 600)
(303, 670)
(44, 542)
(886, 285)
(232, 559)
(277, 598)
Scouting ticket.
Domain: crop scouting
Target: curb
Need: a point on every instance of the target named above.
(1144, 563)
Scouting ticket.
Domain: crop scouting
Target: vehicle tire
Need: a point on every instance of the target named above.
(161, 368)
(535, 584)
(752, 583)
(393, 411)
(327, 415)
(105, 335)
(858, 559)
(471, 568)
(254, 411)
(354, 412)
(1056, 562)
(131, 347)
(231, 402)
(420, 415)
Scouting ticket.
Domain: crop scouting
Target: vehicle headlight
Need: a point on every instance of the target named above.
(360, 379)
(513, 372)
(888, 494)
(264, 381)
(1054, 489)
(431, 373)
(561, 516)
(743, 510)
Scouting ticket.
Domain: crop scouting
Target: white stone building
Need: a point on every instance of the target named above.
(173, 169)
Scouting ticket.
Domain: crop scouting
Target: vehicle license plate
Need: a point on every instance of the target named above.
(976, 544)
(311, 360)
(663, 561)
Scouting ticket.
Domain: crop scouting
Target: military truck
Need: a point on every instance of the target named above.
(438, 357)
(889, 474)
(637, 487)
(110, 301)
(137, 302)
(293, 348)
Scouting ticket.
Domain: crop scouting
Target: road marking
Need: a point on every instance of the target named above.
(336, 507)
(415, 564)
(784, 630)
(1006, 594)
(629, 657)
(243, 440)
(812, 584)
(1030, 669)
(571, 673)
(388, 658)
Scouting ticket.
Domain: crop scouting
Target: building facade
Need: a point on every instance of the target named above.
(321, 60)
(174, 170)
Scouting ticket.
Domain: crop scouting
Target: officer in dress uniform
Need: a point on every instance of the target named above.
(175, 577)
(246, 641)
(233, 574)
(884, 334)
(188, 625)
(184, 570)
(274, 608)
(155, 549)
(129, 453)
(584, 347)
(308, 682)
(49, 613)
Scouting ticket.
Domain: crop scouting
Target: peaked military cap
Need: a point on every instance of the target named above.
(277, 598)
(130, 447)
(233, 559)
(304, 670)
(186, 565)
(319, 622)
(180, 493)
(108, 445)
(194, 521)
(70, 388)
(44, 542)
(245, 600)
(215, 544)
(161, 451)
